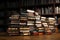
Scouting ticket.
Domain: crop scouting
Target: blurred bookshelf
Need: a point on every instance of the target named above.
(17, 21)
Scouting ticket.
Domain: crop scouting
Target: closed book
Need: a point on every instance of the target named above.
(56, 10)
(43, 18)
(38, 21)
(14, 17)
(46, 10)
(30, 14)
(42, 11)
(37, 17)
(41, 31)
(38, 25)
(45, 24)
(31, 18)
(50, 10)
(30, 22)
(22, 23)
(26, 33)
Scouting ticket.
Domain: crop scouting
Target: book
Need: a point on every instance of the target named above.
(50, 10)
(37, 17)
(38, 25)
(12, 30)
(24, 31)
(46, 10)
(52, 20)
(56, 10)
(14, 17)
(22, 23)
(43, 18)
(45, 24)
(42, 11)
(38, 22)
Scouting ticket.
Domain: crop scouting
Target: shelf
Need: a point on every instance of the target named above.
(48, 15)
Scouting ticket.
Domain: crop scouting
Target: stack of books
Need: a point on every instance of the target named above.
(13, 31)
(51, 22)
(13, 24)
(24, 31)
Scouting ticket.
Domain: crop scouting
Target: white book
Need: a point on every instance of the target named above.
(38, 21)
(42, 11)
(46, 10)
(30, 24)
(56, 10)
(38, 25)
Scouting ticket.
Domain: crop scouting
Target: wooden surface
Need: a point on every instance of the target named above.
(55, 36)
